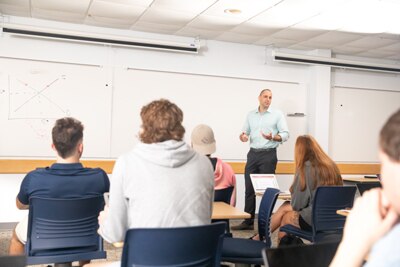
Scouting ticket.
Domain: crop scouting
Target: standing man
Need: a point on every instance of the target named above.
(66, 178)
(266, 128)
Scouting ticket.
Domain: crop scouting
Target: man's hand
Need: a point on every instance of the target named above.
(244, 137)
(102, 217)
(266, 136)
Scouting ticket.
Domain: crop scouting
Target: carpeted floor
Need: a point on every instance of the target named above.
(114, 254)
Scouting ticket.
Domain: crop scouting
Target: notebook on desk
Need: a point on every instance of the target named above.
(263, 181)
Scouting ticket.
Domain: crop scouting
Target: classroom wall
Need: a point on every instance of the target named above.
(216, 58)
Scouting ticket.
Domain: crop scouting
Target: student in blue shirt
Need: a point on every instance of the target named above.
(266, 128)
(66, 178)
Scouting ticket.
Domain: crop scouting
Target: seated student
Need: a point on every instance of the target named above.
(313, 168)
(372, 229)
(162, 182)
(66, 178)
(203, 142)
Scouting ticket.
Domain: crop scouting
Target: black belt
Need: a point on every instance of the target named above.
(262, 149)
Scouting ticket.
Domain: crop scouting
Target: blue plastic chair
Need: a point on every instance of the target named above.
(327, 224)
(247, 251)
(178, 247)
(61, 231)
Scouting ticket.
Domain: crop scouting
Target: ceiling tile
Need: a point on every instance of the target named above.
(167, 16)
(21, 3)
(238, 38)
(371, 42)
(154, 26)
(296, 34)
(58, 15)
(347, 50)
(288, 13)
(205, 22)
(254, 28)
(197, 6)
(200, 33)
(108, 22)
(15, 10)
(392, 48)
(72, 6)
(375, 53)
(116, 11)
(275, 42)
(334, 38)
(248, 8)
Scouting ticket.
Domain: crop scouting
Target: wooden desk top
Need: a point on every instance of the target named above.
(360, 180)
(281, 196)
(221, 210)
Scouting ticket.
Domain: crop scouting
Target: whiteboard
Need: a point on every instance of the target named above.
(34, 94)
(220, 102)
(357, 115)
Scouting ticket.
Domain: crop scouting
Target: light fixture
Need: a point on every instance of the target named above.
(233, 11)
(95, 38)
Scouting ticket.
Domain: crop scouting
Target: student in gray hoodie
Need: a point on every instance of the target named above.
(162, 182)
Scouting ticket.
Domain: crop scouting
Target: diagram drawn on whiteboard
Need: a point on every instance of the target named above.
(36, 99)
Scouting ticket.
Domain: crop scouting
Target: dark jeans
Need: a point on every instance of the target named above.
(258, 161)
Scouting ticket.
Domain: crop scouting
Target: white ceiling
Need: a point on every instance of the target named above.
(367, 28)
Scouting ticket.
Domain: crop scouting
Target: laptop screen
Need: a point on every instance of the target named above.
(315, 255)
(262, 181)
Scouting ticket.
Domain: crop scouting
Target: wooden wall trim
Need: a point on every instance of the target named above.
(15, 166)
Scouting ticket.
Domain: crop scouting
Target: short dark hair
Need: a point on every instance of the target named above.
(161, 121)
(263, 90)
(390, 137)
(67, 133)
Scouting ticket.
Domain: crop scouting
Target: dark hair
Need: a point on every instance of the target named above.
(67, 133)
(263, 90)
(326, 170)
(161, 121)
(390, 137)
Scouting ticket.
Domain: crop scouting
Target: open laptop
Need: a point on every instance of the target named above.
(314, 255)
(12, 261)
(263, 181)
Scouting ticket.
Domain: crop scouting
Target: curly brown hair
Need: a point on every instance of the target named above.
(161, 121)
(67, 133)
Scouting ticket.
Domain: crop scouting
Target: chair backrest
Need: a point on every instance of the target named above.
(314, 255)
(264, 214)
(63, 230)
(362, 187)
(182, 246)
(327, 200)
(224, 195)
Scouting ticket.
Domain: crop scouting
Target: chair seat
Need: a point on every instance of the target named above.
(290, 229)
(242, 248)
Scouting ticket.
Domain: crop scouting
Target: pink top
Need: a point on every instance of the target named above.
(225, 177)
